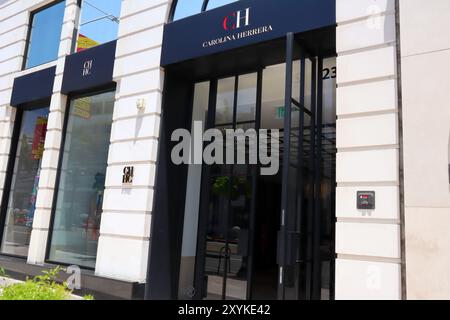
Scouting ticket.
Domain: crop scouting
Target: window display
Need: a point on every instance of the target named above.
(24, 183)
(76, 227)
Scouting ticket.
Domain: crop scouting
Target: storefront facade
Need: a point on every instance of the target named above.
(92, 91)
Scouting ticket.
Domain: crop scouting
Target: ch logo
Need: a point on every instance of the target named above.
(128, 174)
(87, 67)
(234, 20)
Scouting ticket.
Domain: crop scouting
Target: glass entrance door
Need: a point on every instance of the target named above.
(228, 198)
(306, 238)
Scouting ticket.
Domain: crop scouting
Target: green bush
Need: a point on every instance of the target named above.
(43, 287)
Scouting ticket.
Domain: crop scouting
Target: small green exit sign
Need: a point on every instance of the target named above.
(280, 112)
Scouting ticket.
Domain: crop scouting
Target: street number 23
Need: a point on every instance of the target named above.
(329, 73)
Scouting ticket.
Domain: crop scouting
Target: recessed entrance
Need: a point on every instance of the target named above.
(252, 236)
(227, 231)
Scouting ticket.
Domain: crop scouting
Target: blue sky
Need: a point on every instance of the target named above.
(187, 8)
(103, 30)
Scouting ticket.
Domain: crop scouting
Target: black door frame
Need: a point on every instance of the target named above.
(290, 236)
(199, 278)
(293, 235)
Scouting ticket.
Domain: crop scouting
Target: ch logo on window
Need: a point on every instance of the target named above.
(234, 21)
(87, 68)
(128, 175)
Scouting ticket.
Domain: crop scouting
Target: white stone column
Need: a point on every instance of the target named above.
(368, 265)
(49, 167)
(7, 117)
(127, 211)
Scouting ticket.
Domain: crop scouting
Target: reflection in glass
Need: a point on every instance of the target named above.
(45, 35)
(239, 235)
(218, 3)
(329, 91)
(80, 194)
(274, 79)
(225, 101)
(25, 181)
(246, 99)
(272, 109)
(328, 182)
(191, 214)
(186, 8)
(227, 241)
(99, 23)
(308, 87)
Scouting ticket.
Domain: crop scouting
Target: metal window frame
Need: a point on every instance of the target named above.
(290, 224)
(203, 8)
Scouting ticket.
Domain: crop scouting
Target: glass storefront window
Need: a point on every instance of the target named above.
(186, 8)
(99, 23)
(81, 187)
(45, 35)
(24, 183)
(218, 3)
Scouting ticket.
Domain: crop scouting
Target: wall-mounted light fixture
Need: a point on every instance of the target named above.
(140, 104)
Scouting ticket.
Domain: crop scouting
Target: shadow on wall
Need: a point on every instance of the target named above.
(449, 161)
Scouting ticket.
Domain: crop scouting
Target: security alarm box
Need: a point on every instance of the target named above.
(366, 200)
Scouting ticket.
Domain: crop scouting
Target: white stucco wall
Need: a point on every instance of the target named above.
(426, 128)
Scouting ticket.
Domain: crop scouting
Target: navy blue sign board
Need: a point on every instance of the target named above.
(33, 87)
(89, 69)
(242, 23)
